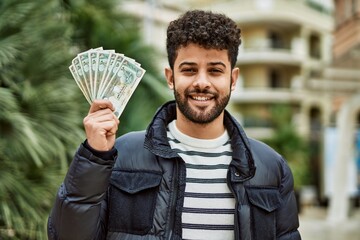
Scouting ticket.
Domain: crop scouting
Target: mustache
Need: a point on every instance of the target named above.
(202, 91)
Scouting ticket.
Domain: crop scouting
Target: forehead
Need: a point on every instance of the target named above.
(199, 55)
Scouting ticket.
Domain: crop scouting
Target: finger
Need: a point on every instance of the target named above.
(110, 133)
(100, 104)
(112, 130)
(105, 115)
(102, 128)
(101, 115)
(113, 125)
(105, 122)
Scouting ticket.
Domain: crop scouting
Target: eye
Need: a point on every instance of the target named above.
(215, 70)
(188, 70)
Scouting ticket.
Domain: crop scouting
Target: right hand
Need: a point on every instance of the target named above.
(101, 125)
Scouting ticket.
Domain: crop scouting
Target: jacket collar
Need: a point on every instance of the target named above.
(242, 166)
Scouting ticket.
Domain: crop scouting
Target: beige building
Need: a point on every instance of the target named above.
(285, 46)
(286, 57)
(343, 81)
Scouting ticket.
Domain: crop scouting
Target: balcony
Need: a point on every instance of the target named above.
(298, 12)
(269, 56)
(266, 95)
(293, 94)
(289, 50)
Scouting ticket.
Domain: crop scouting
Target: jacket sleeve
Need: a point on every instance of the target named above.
(287, 215)
(79, 211)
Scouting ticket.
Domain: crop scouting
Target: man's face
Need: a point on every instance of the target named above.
(202, 81)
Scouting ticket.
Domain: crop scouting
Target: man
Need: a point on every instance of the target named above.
(193, 174)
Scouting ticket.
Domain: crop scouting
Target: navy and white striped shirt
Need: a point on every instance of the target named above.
(208, 211)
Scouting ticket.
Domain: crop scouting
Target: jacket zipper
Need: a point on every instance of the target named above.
(170, 226)
(236, 223)
(237, 204)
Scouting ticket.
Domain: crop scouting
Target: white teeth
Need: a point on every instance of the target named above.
(201, 98)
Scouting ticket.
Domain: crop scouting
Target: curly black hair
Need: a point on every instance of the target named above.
(205, 28)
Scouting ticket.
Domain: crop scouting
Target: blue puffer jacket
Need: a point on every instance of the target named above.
(139, 193)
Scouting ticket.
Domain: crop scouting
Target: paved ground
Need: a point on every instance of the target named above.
(313, 226)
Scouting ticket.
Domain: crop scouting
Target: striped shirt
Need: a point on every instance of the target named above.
(208, 211)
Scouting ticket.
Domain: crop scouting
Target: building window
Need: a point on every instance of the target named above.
(314, 73)
(314, 46)
(315, 120)
(275, 40)
(274, 79)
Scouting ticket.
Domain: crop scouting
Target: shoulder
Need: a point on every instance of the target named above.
(131, 139)
(261, 150)
(132, 154)
(130, 145)
(271, 167)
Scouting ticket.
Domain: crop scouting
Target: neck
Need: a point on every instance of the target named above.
(210, 130)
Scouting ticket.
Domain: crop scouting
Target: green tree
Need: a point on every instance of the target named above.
(41, 108)
(39, 114)
(287, 141)
(102, 23)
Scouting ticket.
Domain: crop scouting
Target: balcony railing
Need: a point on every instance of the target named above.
(266, 95)
(265, 50)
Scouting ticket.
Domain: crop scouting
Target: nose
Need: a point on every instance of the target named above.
(201, 81)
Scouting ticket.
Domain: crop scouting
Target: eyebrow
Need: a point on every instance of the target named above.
(187, 63)
(194, 64)
(217, 63)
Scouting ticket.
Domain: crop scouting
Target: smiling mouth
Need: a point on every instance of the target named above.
(200, 98)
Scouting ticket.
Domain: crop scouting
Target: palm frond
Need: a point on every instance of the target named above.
(13, 13)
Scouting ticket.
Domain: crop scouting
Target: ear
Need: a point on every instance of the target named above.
(169, 78)
(234, 76)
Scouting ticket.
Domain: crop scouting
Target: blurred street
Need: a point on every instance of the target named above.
(314, 226)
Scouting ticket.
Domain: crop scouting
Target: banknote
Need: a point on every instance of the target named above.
(79, 82)
(105, 74)
(123, 84)
(81, 67)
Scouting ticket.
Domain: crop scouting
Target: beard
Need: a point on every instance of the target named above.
(201, 115)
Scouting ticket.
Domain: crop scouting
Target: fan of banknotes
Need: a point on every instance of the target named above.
(105, 74)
